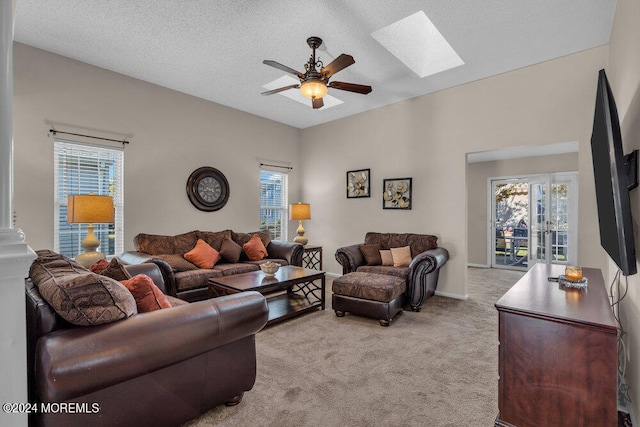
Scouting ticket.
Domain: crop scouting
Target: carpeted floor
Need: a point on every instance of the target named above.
(438, 367)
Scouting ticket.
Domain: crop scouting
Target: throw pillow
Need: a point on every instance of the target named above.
(98, 266)
(401, 256)
(214, 238)
(254, 248)
(385, 257)
(371, 253)
(79, 296)
(147, 295)
(116, 270)
(177, 262)
(230, 250)
(203, 255)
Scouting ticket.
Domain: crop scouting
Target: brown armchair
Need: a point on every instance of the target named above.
(421, 275)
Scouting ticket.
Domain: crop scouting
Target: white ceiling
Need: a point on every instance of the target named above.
(213, 49)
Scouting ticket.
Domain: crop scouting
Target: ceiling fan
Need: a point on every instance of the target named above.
(315, 84)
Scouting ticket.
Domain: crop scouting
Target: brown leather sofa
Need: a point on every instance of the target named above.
(160, 368)
(421, 275)
(190, 283)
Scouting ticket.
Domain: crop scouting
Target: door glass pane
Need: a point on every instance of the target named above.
(511, 243)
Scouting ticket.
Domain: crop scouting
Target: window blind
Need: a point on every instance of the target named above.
(274, 204)
(81, 169)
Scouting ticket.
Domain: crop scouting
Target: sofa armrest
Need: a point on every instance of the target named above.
(292, 252)
(423, 275)
(149, 269)
(73, 362)
(135, 257)
(350, 257)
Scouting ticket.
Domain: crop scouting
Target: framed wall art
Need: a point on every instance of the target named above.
(397, 193)
(358, 183)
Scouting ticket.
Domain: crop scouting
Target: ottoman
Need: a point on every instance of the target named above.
(367, 294)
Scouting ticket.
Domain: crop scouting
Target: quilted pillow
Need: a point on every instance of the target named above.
(115, 269)
(203, 255)
(254, 248)
(79, 296)
(147, 295)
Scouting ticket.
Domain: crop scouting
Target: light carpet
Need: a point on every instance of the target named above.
(438, 367)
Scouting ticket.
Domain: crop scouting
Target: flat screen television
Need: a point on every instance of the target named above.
(615, 175)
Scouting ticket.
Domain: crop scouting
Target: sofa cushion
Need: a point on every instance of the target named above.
(177, 262)
(242, 238)
(193, 279)
(203, 255)
(417, 242)
(401, 256)
(147, 295)
(402, 272)
(236, 268)
(79, 296)
(116, 271)
(214, 238)
(371, 253)
(155, 244)
(176, 302)
(230, 250)
(254, 248)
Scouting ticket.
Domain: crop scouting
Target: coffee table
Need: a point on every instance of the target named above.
(290, 292)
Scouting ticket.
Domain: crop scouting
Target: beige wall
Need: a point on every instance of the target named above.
(477, 196)
(624, 77)
(172, 134)
(428, 137)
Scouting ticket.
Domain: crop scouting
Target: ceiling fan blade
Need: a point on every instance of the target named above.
(350, 87)
(281, 89)
(340, 63)
(282, 67)
(317, 103)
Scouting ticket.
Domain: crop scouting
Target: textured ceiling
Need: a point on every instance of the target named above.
(213, 49)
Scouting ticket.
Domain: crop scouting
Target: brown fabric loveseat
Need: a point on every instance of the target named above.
(189, 282)
(421, 273)
(159, 368)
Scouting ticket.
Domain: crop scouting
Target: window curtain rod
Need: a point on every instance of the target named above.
(276, 166)
(53, 131)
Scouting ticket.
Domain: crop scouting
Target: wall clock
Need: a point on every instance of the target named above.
(208, 189)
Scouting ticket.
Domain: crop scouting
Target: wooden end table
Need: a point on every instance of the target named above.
(290, 292)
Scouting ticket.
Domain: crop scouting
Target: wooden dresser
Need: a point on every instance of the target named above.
(557, 354)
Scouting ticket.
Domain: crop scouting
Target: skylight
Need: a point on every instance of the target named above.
(329, 101)
(416, 42)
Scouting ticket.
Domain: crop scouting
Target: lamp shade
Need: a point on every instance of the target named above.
(314, 89)
(300, 211)
(90, 209)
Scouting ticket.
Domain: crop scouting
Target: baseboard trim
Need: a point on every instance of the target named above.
(478, 265)
(334, 275)
(454, 296)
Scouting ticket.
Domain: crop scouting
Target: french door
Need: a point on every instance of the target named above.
(533, 219)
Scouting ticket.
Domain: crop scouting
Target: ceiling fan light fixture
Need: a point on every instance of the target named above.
(314, 89)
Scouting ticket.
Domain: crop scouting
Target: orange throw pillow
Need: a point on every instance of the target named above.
(203, 255)
(147, 295)
(254, 248)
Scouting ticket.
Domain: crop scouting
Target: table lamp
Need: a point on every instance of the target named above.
(90, 209)
(299, 212)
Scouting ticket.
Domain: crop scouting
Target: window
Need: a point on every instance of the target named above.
(82, 169)
(274, 203)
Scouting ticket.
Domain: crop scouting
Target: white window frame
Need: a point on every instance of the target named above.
(282, 209)
(67, 156)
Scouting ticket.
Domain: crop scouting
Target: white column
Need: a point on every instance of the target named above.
(15, 255)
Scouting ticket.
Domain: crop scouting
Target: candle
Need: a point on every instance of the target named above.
(573, 273)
